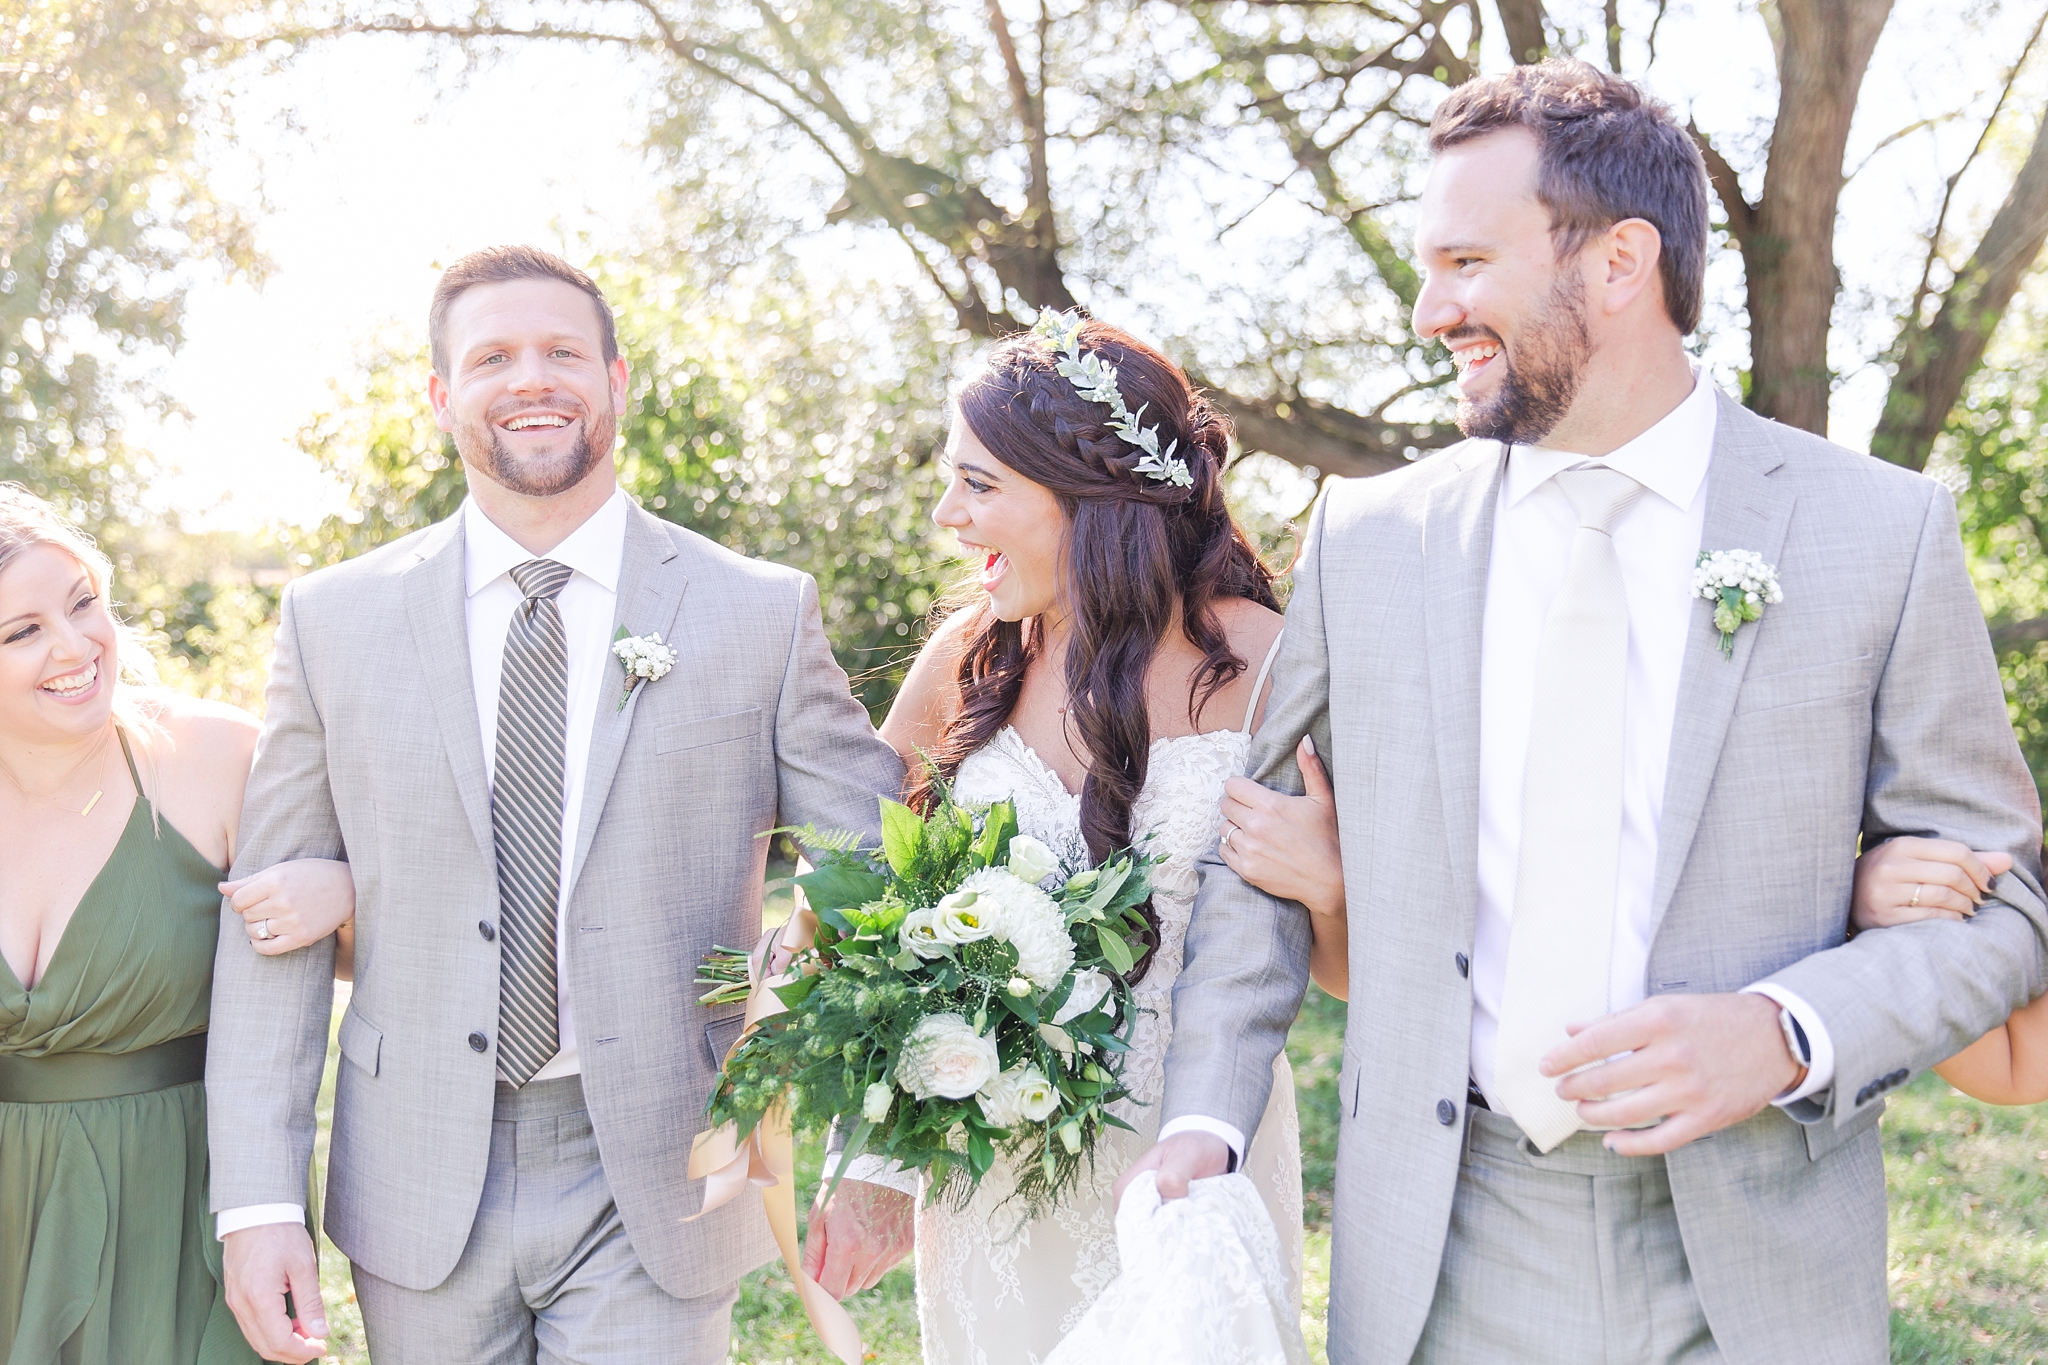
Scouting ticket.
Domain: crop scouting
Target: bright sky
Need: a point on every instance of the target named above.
(368, 172)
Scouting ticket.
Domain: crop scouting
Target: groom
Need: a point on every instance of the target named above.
(1613, 1072)
(541, 858)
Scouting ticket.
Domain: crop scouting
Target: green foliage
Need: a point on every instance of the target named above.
(853, 1000)
(101, 203)
(1994, 452)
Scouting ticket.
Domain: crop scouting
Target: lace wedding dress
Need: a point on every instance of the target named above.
(995, 1288)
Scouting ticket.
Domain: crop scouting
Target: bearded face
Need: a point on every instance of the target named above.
(1540, 371)
(538, 449)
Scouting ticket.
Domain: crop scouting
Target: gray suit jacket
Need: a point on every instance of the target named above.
(372, 751)
(1866, 704)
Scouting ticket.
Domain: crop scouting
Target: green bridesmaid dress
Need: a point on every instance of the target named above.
(107, 1255)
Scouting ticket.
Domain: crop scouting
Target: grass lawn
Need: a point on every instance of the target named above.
(1969, 1208)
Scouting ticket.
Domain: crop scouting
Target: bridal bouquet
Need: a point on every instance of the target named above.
(960, 998)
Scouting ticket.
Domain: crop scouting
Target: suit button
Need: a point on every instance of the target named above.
(479, 1043)
(1899, 1077)
(1464, 965)
(483, 926)
(1446, 1113)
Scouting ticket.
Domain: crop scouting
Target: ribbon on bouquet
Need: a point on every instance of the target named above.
(767, 1158)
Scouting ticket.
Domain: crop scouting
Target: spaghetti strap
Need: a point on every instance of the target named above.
(136, 777)
(1251, 710)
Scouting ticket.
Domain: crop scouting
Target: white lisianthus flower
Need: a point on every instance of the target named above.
(1020, 1095)
(874, 1105)
(1030, 860)
(1028, 920)
(945, 1056)
(918, 933)
(1091, 988)
(965, 917)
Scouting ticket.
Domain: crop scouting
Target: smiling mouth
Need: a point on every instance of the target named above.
(1474, 359)
(74, 684)
(994, 564)
(537, 421)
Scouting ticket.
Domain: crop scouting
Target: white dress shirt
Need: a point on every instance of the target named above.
(596, 550)
(1658, 542)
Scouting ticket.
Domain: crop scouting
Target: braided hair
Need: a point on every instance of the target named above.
(1134, 548)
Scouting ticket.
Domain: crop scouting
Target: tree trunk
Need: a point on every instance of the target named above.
(1788, 255)
(1936, 359)
(1523, 22)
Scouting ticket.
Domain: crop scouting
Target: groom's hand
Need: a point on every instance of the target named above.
(1694, 1064)
(1180, 1159)
(262, 1265)
(858, 1237)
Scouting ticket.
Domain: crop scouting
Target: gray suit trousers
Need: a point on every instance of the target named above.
(549, 1274)
(1569, 1258)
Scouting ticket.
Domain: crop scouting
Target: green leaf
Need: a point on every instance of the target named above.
(794, 993)
(842, 886)
(902, 836)
(981, 1154)
(1115, 951)
(997, 828)
(1023, 1009)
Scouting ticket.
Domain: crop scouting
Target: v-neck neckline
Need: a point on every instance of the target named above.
(140, 811)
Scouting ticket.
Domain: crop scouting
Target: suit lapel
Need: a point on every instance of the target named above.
(435, 599)
(1457, 546)
(651, 583)
(1746, 510)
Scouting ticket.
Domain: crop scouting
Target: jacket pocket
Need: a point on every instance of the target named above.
(361, 1042)
(1805, 686)
(698, 734)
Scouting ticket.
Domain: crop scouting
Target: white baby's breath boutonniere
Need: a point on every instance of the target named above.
(1740, 585)
(645, 659)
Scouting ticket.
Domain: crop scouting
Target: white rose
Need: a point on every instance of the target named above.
(1091, 988)
(1019, 1095)
(919, 934)
(945, 1056)
(874, 1106)
(1030, 860)
(965, 917)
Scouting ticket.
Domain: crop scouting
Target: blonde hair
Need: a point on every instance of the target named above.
(27, 520)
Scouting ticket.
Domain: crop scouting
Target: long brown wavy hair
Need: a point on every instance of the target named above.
(1134, 546)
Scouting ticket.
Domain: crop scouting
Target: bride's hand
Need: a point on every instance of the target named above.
(294, 903)
(1287, 845)
(1908, 879)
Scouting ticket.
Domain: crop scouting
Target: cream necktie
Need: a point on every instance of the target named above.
(1562, 937)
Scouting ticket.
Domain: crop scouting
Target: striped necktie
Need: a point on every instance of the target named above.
(1561, 941)
(526, 819)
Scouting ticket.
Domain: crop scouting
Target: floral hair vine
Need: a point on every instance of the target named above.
(1096, 382)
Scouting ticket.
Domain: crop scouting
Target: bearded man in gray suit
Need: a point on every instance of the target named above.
(1613, 1069)
(543, 849)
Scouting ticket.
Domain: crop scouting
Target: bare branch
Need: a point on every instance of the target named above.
(1612, 15)
(1030, 117)
(2018, 635)
(1329, 439)
(1524, 22)
(1948, 193)
(1727, 185)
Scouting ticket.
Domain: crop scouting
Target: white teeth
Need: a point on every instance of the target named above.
(1472, 355)
(522, 423)
(77, 682)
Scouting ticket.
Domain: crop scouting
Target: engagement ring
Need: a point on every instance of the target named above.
(263, 929)
(1918, 887)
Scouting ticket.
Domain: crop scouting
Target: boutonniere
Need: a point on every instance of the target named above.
(1740, 585)
(645, 659)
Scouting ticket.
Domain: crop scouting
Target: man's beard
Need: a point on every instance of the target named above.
(1537, 390)
(484, 449)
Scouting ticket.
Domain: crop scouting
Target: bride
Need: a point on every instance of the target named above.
(1108, 680)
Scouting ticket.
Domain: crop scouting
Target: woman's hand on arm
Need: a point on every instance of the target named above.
(293, 904)
(1287, 846)
(1905, 880)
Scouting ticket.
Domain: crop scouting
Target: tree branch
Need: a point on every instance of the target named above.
(1326, 438)
(1937, 360)
(2018, 635)
(1524, 23)
(1727, 185)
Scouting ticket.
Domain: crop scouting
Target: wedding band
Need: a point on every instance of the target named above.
(1229, 830)
(263, 929)
(1918, 887)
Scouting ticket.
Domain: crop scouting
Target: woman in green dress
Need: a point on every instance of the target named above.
(118, 806)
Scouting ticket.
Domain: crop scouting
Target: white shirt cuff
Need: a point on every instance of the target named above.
(1201, 1123)
(1820, 1068)
(873, 1170)
(255, 1216)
